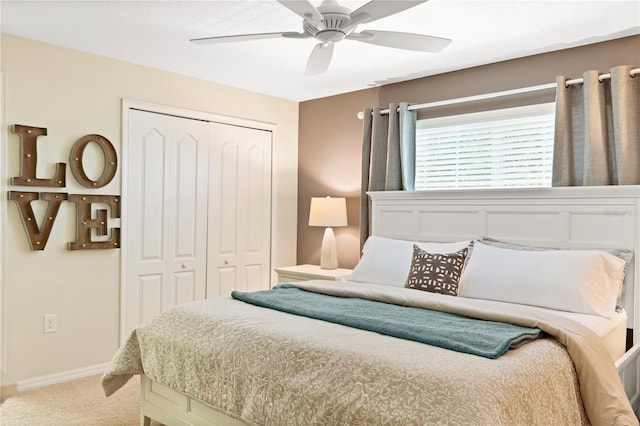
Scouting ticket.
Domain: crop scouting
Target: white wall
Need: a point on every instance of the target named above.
(73, 94)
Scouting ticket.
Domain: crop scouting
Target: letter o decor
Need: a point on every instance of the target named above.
(110, 165)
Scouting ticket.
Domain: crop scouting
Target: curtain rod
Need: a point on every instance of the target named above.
(472, 98)
(601, 77)
(492, 95)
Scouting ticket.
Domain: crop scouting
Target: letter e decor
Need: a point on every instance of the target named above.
(84, 222)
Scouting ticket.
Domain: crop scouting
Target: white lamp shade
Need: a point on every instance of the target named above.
(328, 211)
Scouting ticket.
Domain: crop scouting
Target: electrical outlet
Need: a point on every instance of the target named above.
(50, 323)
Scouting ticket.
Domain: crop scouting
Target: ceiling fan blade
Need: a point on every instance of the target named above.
(407, 41)
(246, 37)
(319, 59)
(303, 8)
(377, 9)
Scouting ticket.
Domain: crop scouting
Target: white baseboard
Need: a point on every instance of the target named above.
(62, 377)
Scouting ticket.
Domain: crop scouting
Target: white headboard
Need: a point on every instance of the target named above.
(569, 217)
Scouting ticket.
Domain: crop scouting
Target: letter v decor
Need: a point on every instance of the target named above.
(38, 235)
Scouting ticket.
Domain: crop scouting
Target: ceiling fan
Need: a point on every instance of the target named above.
(330, 23)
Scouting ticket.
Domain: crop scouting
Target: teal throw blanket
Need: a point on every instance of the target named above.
(488, 339)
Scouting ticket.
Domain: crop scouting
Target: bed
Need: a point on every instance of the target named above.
(237, 363)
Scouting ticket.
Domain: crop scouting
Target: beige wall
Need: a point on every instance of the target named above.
(330, 134)
(73, 94)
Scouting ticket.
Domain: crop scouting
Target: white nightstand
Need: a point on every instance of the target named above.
(310, 272)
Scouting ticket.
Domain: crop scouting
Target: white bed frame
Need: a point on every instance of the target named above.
(569, 217)
(577, 217)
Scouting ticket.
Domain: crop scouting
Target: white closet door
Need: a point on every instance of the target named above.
(166, 212)
(239, 210)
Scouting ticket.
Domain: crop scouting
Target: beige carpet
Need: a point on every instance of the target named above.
(79, 402)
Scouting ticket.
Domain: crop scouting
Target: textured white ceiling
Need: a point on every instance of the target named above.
(157, 33)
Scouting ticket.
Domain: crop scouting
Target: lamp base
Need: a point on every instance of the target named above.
(329, 252)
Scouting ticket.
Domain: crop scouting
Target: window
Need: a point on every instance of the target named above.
(507, 148)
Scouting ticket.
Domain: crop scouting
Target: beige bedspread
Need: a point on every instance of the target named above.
(265, 367)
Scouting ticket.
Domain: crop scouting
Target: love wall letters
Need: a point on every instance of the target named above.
(38, 234)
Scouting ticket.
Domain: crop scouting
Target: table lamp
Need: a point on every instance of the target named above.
(329, 212)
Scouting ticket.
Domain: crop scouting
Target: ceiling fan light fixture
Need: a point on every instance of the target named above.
(330, 36)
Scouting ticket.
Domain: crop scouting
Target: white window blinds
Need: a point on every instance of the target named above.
(494, 149)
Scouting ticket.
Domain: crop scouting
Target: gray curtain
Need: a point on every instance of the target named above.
(597, 130)
(388, 155)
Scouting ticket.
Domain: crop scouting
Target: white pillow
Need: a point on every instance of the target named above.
(624, 254)
(387, 261)
(584, 281)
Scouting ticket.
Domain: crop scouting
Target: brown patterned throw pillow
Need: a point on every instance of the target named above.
(435, 272)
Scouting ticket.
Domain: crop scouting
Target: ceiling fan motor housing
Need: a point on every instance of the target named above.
(330, 29)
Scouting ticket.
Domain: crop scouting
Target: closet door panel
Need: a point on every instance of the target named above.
(167, 179)
(239, 209)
